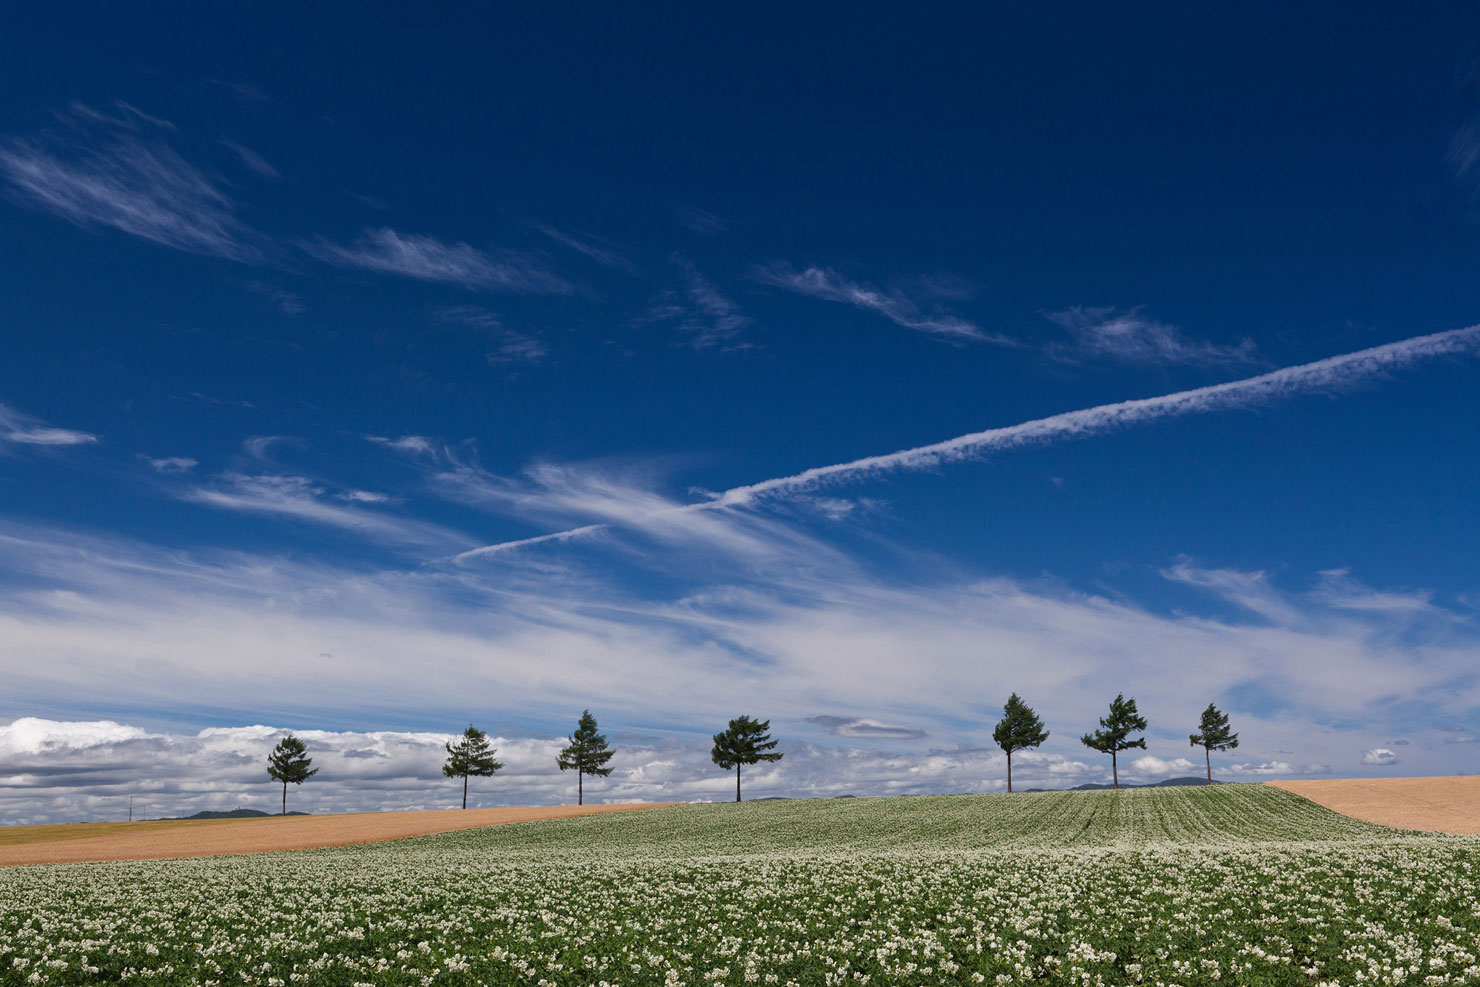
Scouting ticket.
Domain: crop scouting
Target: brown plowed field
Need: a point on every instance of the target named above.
(217, 837)
(1444, 805)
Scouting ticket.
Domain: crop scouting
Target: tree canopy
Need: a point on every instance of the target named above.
(586, 754)
(744, 741)
(1019, 729)
(470, 756)
(1115, 730)
(289, 763)
(1213, 734)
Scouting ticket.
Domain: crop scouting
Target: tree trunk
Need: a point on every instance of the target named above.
(285, 798)
(465, 791)
(737, 783)
(1115, 770)
(1208, 757)
(1009, 772)
(580, 791)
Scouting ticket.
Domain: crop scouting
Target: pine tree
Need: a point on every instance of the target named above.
(470, 756)
(1213, 735)
(587, 754)
(1019, 729)
(289, 762)
(745, 741)
(1115, 730)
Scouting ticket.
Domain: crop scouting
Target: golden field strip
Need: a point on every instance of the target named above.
(159, 839)
(1440, 805)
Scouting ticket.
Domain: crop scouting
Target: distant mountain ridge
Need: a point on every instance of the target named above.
(233, 814)
(1168, 783)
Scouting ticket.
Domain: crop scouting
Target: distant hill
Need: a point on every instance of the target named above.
(1168, 783)
(236, 814)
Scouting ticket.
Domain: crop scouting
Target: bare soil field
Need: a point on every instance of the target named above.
(215, 837)
(1443, 805)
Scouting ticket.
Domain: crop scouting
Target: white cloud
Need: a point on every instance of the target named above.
(302, 499)
(1250, 590)
(117, 172)
(508, 345)
(17, 428)
(1259, 769)
(32, 735)
(1151, 767)
(409, 445)
(426, 258)
(518, 347)
(1379, 756)
(1338, 589)
(844, 726)
(259, 447)
(287, 302)
(894, 304)
(1128, 336)
(602, 252)
(253, 161)
(1464, 151)
(621, 498)
(701, 222)
(698, 309)
(364, 497)
(172, 464)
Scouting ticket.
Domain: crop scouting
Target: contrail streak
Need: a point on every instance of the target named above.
(1330, 373)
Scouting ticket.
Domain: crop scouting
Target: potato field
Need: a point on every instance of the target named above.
(1236, 884)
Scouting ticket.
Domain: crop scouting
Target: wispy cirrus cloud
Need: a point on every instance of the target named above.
(845, 726)
(286, 301)
(302, 499)
(1322, 375)
(118, 171)
(506, 345)
(253, 161)
(426, 258)
(702, 222)
(1130, 336)
(260, 447)
(895, 303)
(602, 252)
(624, 498)
(408, 445)
(17, 428)
(699, 310)
(171, 464)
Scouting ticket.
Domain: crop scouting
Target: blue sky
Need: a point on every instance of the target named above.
(304, 312)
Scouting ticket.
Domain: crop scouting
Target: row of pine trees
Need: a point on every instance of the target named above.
(748, 741)
(744, 741)
(1021, 729)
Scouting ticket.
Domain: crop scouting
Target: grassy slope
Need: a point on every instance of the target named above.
(1224, 815)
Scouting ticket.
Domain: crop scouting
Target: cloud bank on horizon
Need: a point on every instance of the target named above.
(104, 770)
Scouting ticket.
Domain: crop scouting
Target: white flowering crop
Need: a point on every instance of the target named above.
(1232, 884)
